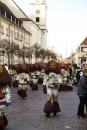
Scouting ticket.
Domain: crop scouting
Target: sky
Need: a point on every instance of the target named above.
(66, 23)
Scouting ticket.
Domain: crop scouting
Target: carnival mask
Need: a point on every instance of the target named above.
(52, 66)
(36, 65)
(1, 69)
(23, 67)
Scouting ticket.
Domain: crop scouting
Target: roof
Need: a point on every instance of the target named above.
(16, 24)
(28, 19)
(4, 6)
(73, 54)
(20, 9)
(25, 19)
(84, 42)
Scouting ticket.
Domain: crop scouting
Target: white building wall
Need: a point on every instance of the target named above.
(40, 6)
(42, 15)
(44, 40)
(13, 38)
(35, 31)
(41, 39)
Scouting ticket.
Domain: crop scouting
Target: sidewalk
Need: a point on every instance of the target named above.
(27, 114)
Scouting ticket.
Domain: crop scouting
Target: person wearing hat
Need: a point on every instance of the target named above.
(51, 87)
(23, 79)
(5, 95)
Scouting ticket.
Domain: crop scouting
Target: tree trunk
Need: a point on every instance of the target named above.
(8, 59)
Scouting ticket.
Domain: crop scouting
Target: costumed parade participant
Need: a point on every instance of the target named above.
(15, 83)
(41, 75)
(73, 74)
(35, 75)
(50, 85)
(30, 75)
(63, 77)
(5, 95)
(60, 81)
(65, 80)
(11, 70)
(23, 79)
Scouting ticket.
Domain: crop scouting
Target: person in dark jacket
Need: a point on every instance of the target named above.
(82, 87)
(78, 74)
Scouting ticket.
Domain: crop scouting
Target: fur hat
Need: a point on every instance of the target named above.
(23, 68)
(37, 66)
(31, 68)
(5, 78)
(64, 66)
(56, 67)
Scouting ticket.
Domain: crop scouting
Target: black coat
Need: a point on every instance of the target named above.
(82, 86)
(78, 75)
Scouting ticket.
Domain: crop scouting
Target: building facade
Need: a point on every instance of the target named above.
(12, 31)
(38, 13)
(81, 53)
(37, 28)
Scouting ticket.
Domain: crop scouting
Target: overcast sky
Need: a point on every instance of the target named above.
(66, 23)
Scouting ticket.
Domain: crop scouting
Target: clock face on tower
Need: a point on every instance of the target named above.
(37, 12)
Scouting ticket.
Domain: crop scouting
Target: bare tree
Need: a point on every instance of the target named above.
(36, 48)
(42, 54)
(48, 54)
(29, 52)
(53, 56)
(9, 48)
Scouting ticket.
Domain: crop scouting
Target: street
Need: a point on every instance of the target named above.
(27, 114)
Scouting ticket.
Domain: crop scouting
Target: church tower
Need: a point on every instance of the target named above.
(38, 13)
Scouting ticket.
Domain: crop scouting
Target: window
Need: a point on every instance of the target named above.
(18, 35)
(15, 35)
(7, 32)
(25, 39)
(2, 30)
(83, 49)
(28, 41)
(37, 19)
(11, 34)
(21, 37)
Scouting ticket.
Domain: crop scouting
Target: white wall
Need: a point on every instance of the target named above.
(15, 29)
(42, 15)
(35, 31)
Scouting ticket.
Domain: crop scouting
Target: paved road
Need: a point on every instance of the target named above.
(27, 114)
